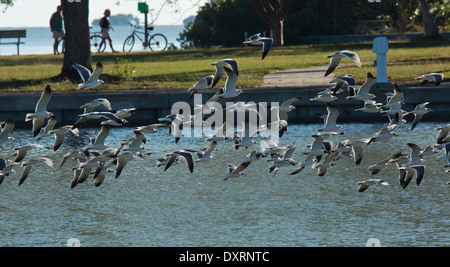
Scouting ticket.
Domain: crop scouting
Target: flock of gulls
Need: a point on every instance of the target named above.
(96, 160)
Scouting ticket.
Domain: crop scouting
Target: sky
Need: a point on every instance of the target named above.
(37, 13)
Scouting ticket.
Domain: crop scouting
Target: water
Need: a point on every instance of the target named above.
(146, 206)
(39, 40)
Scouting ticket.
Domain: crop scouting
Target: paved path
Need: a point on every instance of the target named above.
(312, 76)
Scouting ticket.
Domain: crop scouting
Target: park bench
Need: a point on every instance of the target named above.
(12, 34)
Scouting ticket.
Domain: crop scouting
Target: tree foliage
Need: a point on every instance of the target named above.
(224, 22)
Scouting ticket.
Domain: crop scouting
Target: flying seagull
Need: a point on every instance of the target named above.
(29, 163)
(230, 85)
(266, 42)
(6, 130)
(336, 58)
(89, 79)
(89, 107)
(363, 185)
(236, 171)
(362, 93)
(40, 113)
(434, 77)
(418, 112)
(203, 83)
(219, 65)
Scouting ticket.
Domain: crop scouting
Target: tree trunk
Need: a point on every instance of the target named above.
(273, 17)
(76, 23)
(431, 29)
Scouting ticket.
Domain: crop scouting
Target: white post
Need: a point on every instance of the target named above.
(381, 47)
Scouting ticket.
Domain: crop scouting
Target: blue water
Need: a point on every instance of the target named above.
(146, 206)
(40, 41)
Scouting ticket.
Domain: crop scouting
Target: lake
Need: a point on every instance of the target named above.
(146, 206)
(39, 40)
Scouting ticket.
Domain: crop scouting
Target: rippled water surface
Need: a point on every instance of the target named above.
(146, 206)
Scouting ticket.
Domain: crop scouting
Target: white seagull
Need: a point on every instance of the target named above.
(266, 43)
(347, 80)
(6, 131)
(22, 151)
(183, 153)
(323, 166)
(205, 155)
(236, 171)
(89, 79)
(363, 185)
(286, 107)
(230, 90)
(362, 93)
(434, 77)
(103, 114)
(330, 120)
(370, 106)
(60, 133)
(219, 65)
(29, 163)
(89, 107)
(418, 112)
(41, 112)
(336, 58)
(376, 168)
(203, 83)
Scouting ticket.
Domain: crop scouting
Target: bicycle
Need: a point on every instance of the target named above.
(95, 40)
(156, 42)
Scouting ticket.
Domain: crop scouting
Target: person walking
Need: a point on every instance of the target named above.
(57, 28)
(105, 26)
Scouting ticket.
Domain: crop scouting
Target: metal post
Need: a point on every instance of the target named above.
(146, 29)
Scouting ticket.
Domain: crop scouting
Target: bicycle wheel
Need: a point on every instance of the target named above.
(59, 46)
(158, 42)
(95, 42)
(128, 44)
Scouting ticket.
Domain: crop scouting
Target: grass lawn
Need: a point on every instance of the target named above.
(180, 69)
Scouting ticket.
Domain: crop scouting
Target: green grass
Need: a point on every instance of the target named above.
(180, 69)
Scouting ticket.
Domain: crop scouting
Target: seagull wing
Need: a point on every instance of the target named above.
(101, 137)
(417, 118)
(231, 79)
(352, 55)
(438, 77)
(370, 81)
(45, 98)
(96, 74)
(420, 171)
(334, 62)
(332, 116)
(188, 158)
(7, 129)
(49, 162)
(84, 72)
(289, 102)
(267, 43)
(357, 154)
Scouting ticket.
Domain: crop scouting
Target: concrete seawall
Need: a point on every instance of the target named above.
(151, 105)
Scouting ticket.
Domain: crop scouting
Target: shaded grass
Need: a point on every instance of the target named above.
(180, 69)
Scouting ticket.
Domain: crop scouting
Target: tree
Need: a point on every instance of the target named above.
(431, 29)
(76, 23)
(273, 16)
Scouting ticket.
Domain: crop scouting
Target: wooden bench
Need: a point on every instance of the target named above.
(13, 34)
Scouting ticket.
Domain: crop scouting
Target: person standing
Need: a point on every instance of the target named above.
(105, 26)
(57, 28)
